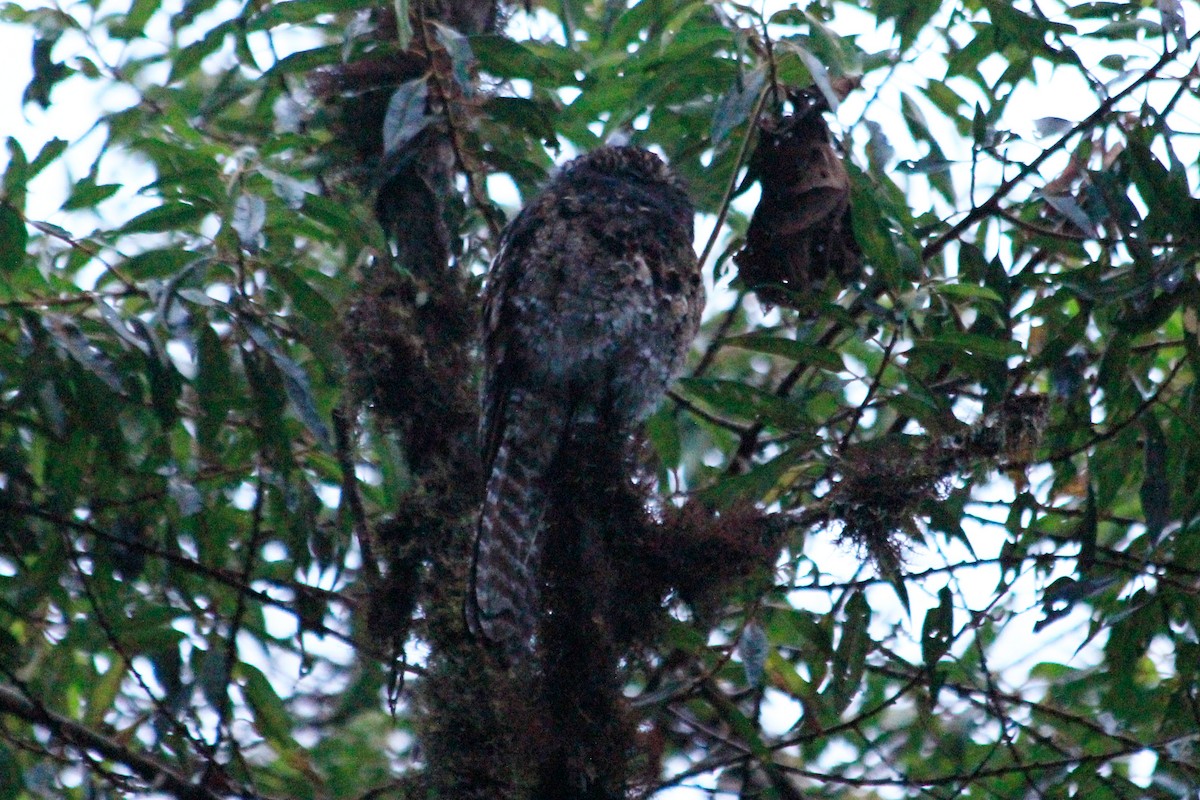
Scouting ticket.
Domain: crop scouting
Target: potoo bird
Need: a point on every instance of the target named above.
(591, 304)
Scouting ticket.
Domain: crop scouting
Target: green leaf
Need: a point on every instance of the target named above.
(295, 383)
(678, 23)
(249, 216)
(850, 658)
(214, 386)
(404, 31)
(150, 631)
(12, 782)
(308, 301)
(268, 398)
(16, 175)
(104, 692)
(735, 105)
(1166, 192)
(535, 117)
(969, 344)
(793, 349)
(911, 16)
(12, 653)
(170, 216)
(299, 12)
(802, 630)
(783, 676)
(13, 238)
(1155, 493)
(133, 24)
(47, 73)
(1086, 532)
(549, 65)
(735, 400)
(165, 387)
(406, 116)
(157, 263)
(762, 482)
(88, 194)
(187, 60)
(49, 152)
(938, 630)
(304, 61)
(871, 229)
(325, 211)
(1029, 30)
(271, 716)
(967, 291)
(662, 429)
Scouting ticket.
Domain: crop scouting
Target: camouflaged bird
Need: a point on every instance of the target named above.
(590, 307)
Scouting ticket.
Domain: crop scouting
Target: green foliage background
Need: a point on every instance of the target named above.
(179, 581)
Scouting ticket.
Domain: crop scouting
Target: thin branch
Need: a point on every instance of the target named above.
(993, 704)
(235, 625)
(718, 338)
(992, 204)
(79, 298)
(710, 764)
(876, 381)
(343, 444)
(461, 154)
(712, 419)
(101, 618)
(1068, 762)
(156, 774)
(723, 211)
(1113, 430)
(222, 576)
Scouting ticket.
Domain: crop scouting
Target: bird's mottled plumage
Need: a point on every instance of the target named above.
(590, 307)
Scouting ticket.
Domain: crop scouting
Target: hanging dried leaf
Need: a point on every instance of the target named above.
(801, 231)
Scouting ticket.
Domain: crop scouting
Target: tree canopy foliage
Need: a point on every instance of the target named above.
(237, 464)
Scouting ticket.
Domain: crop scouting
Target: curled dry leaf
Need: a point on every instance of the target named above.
(800, 232)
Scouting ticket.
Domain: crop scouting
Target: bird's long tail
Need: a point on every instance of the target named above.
(503, 599)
